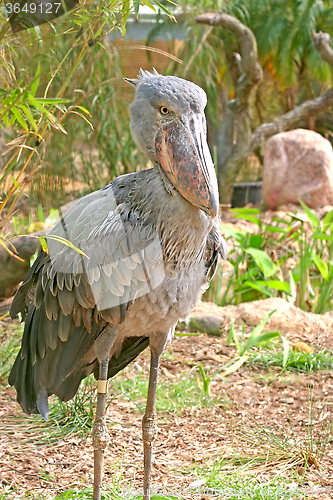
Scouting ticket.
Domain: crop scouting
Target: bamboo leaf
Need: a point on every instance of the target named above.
(256, 332)
(52, 100)
(255, 286)
(250, 218)
(36, 103)
(83, 109)
(293, 291)
(4, 244)
(322, 236)
(328, 218)
(276, 285)
(83, 117)
(43, 244)
(29, 116)
(62, 240)
(18, 115)
(35, 83)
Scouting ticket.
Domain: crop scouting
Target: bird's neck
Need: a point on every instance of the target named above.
(183, 228)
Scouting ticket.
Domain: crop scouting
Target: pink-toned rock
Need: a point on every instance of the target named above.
(298, 165)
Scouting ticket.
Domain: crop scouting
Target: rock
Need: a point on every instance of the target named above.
(287, 319)
(298, 164)
(4, 307)
(12, 270)
(204, 323)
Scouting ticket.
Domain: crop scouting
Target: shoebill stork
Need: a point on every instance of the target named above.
(150, 243)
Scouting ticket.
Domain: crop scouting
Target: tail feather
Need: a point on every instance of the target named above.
(35, 377)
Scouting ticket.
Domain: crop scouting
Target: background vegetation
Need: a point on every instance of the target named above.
(74, 61)
(64, 119)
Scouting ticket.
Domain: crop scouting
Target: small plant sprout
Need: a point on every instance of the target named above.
(255, 339)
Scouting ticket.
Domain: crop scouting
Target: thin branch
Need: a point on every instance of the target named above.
(199, 48)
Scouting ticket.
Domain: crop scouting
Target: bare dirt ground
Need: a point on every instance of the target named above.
(248, 410)
(250, 398)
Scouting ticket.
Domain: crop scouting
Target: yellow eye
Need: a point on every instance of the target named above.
(164, 110)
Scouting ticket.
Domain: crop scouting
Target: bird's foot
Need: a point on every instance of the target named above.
(100, 435)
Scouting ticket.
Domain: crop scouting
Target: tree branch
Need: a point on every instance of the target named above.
(322, 45)
(247, 142)
(309, 108)
(238, 112)
(286, 121)
(249, 51)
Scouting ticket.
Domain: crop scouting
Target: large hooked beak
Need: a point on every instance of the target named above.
(183, 154)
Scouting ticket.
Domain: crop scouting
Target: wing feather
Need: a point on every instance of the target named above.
(68, 297)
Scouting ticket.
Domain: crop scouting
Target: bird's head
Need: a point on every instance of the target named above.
(168, 124)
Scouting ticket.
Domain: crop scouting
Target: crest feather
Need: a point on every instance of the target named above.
(142, 74)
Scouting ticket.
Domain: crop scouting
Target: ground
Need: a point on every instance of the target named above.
(258, 423)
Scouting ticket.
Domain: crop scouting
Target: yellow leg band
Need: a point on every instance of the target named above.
(102, 387)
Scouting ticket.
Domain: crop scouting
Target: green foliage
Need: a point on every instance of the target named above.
(206, 380)
(77, 415)
(34, 221)
(107, 494)
(9, 346)
(303, 276)
(172, 395)
(19, 105)
(51, 74)
(255, 338)
(296, 361)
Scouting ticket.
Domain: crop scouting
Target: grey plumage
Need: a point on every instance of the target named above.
(148, 255)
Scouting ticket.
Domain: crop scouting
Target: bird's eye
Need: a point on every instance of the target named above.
(164, 110)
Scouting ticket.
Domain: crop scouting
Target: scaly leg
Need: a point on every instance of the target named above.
(149, 428)
(100, 434)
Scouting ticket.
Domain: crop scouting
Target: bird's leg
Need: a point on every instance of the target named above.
(149, 428)
(100, 436)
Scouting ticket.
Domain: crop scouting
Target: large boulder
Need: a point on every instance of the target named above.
(289, 320)
(298, 165)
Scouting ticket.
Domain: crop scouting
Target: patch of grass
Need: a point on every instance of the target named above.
(107, 494)
(213, 481)
(296, 361)
(10, 340)
(186, 390)
(77, 415)
(275, 453)
(221, 482)
(74, 417)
